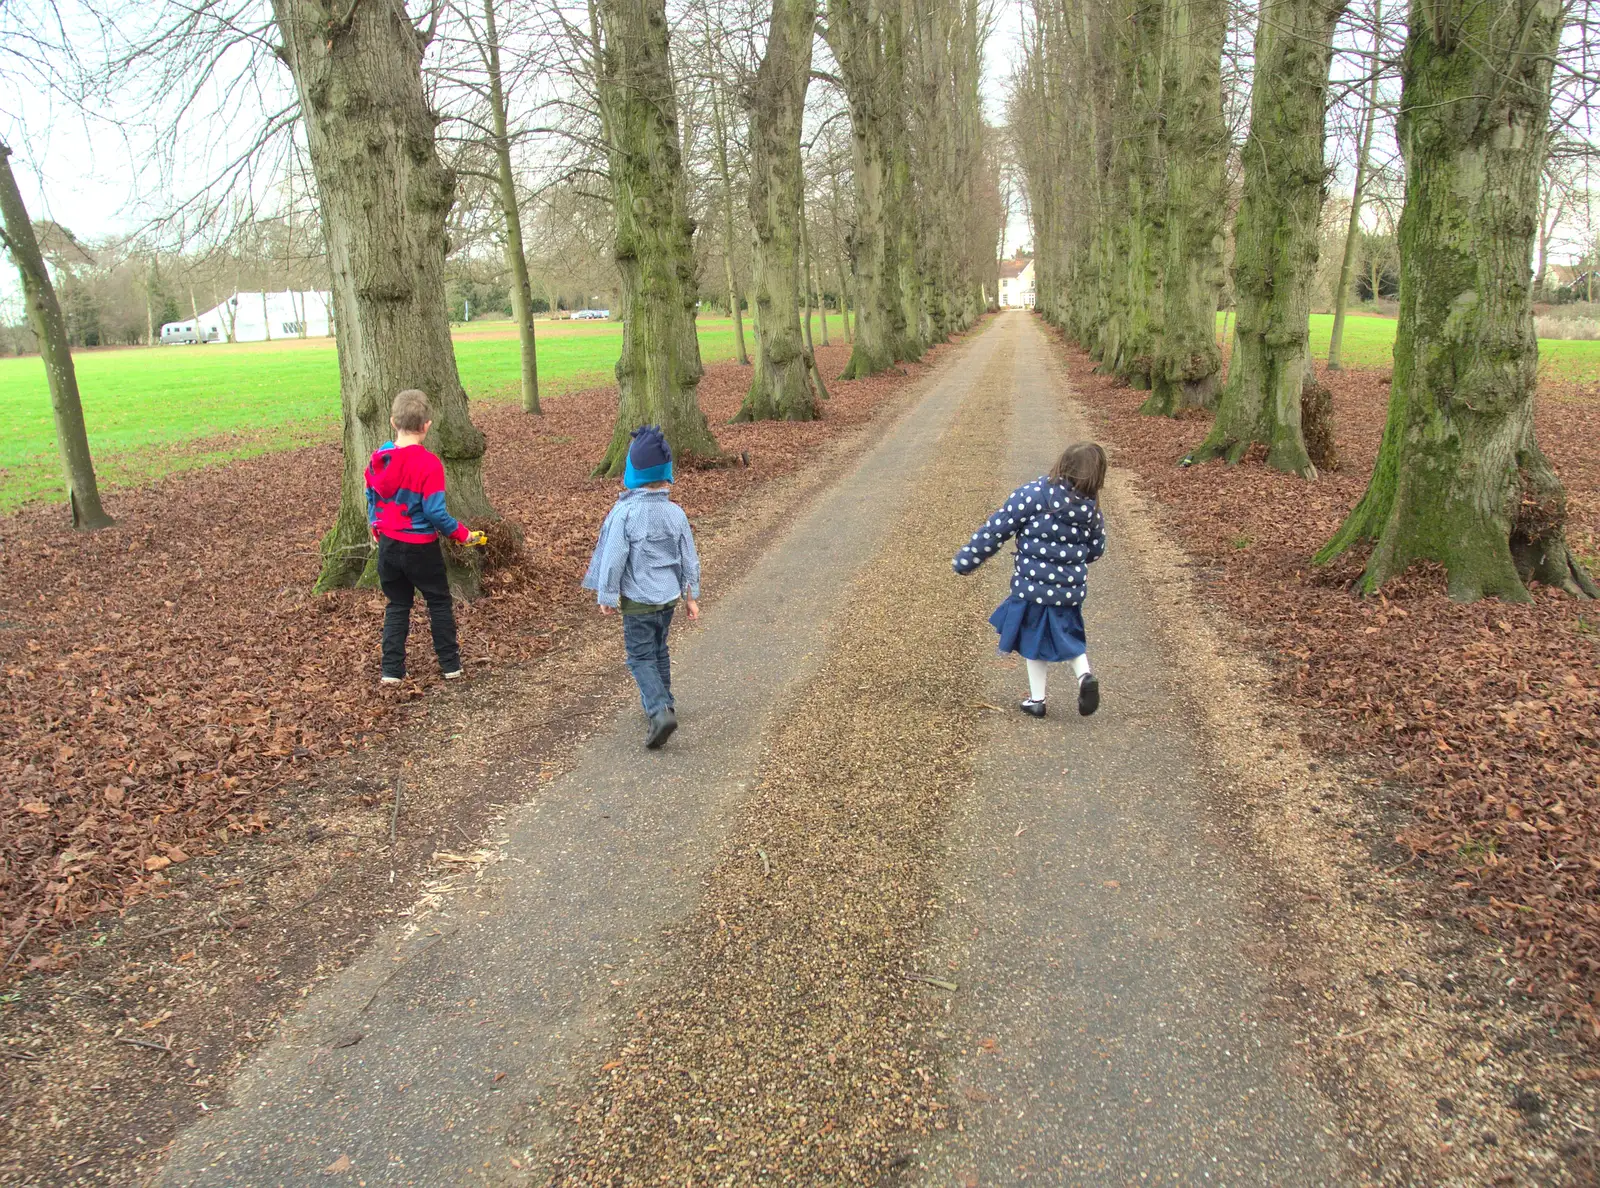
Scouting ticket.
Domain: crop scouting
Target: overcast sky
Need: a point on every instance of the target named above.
(95, 178)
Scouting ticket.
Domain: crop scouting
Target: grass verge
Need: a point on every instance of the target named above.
(148, 409)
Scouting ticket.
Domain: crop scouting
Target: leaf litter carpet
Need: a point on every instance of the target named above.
(1489, 713)
(159, 680)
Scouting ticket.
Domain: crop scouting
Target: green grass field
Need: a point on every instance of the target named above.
(154, 411)
(1369, 342)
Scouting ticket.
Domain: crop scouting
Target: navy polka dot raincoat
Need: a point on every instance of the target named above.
(1058, 534)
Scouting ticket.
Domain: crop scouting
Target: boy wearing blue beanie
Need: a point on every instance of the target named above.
(645, 562)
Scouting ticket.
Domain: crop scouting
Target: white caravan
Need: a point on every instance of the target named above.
(259, 317)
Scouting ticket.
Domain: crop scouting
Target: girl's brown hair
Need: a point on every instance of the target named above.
(1082, 465)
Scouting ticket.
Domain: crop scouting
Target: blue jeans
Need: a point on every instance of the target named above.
(645, 639)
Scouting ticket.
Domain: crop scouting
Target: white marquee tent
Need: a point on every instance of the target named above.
(259, 317)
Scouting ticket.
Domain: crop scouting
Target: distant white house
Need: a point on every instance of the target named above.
(259, 317)
(1016, 284)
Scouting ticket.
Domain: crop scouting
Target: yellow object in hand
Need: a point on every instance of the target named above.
(476, 539)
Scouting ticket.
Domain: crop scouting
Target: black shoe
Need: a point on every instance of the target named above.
(1034, 709)
(661, 728)
(1088, 694)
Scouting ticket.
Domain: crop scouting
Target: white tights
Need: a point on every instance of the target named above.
(1039, 675)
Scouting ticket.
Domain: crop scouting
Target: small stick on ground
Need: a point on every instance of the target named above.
(932, 981)
(1432, 1022)
(266, 870)
(394, 815)
(391, 974)
(139, 1043)
(21, 944)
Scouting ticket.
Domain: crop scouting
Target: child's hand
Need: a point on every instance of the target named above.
(693, 607)
(607, 610)
(476, 539)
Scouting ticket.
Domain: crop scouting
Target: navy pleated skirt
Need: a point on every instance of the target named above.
(1038, 632)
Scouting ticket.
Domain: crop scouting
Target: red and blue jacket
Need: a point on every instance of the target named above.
(405, 496)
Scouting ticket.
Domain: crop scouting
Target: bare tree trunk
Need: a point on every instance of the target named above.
(1352, 235)
(822, 300)
(735, 300)
(845, 304)
(1107, 314)
(384, 196)
(1459, 478)
(50, 328)
(1552, 206)
(660, 369)
(901, 224)
(813, 282)
(880, 328)
(1187, 362)
(934, 187)
(516, 257)
(779, 388)
(841, 270)
(1275, 258)
(818, 389)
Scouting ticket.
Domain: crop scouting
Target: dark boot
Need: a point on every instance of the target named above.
(661, 728)
(1034, 709)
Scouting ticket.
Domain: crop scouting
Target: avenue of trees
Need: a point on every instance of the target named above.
(1133, 140)
(779, 161)
(784, 159)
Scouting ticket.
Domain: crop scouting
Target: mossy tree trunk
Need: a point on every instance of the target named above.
(1132, 56)
(923, 184)
(384, 196)
(1459, 478)
(779, 388)
(1087, 243)
(516, 256)
(1147, 197)
(1187, 362)
(1275, 255)
(48, 325)
(1135, 236)
(659, 371)
(854, 35)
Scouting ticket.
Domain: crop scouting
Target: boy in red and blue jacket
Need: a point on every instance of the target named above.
(406, 511)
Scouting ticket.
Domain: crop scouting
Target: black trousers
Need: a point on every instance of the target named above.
(403, 570)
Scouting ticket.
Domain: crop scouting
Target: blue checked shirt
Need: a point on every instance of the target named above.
(646, 552)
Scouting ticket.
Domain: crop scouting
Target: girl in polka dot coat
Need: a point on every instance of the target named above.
(1059, 532)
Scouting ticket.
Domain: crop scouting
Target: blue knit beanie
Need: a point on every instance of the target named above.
(649, 458)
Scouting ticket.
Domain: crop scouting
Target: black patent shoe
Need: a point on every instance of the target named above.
(661, 728)
(1088, 694)
(1034, 709)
